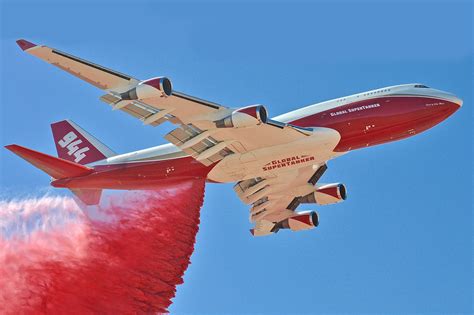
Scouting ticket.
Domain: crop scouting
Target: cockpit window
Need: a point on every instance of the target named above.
(421, 86)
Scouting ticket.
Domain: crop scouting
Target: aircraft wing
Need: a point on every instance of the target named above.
(101, 77)
(206, 130)
(274, 199)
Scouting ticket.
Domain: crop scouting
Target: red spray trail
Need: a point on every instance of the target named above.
(55, 260)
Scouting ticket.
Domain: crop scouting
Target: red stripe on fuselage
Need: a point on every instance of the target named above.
(380, 120)
(138, 175)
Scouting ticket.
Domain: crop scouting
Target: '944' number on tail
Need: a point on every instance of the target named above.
(71, 142)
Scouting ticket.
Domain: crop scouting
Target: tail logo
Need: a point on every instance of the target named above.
(71, 142)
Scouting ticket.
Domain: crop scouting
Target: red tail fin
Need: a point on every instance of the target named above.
(74, 144)
(55, 167)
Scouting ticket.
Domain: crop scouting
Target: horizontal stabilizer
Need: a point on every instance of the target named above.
(55, 167)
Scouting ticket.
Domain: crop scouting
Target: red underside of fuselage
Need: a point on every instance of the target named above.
(395, 117)
(138, 175)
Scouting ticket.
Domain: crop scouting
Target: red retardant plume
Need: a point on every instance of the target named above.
(125, 257)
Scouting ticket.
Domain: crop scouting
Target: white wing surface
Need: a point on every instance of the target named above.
(206, 130)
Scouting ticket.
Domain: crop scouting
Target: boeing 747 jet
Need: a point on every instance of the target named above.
(275, 163)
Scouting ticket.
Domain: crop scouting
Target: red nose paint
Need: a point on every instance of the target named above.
(128, 262)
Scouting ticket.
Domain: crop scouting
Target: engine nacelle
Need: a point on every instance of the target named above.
(326, 194)
(301, 221)
(244, 117)
(155, 87)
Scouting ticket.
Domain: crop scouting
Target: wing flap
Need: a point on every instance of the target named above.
(199, 144)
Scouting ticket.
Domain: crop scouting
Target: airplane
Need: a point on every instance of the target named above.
(276, 163)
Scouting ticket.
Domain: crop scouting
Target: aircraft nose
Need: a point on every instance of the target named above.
(447, 105)
(458, 101)
(454, 104)
(453, 99)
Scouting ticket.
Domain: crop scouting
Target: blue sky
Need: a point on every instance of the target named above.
(400, 243)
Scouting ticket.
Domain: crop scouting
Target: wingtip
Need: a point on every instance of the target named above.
(13, 148)
(10, 146)
(24, 44)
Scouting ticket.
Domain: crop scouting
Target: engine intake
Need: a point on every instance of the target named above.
(326, 194)
(244, 117)
(155, 87)
(301, 221)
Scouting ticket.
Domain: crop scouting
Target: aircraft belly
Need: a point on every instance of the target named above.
(268, 161)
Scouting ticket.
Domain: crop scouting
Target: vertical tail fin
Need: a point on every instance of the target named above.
(75, 144)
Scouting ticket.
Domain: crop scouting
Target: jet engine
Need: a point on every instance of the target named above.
(244, 117)
(155, 87)
(326, 194)
(299, 222)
